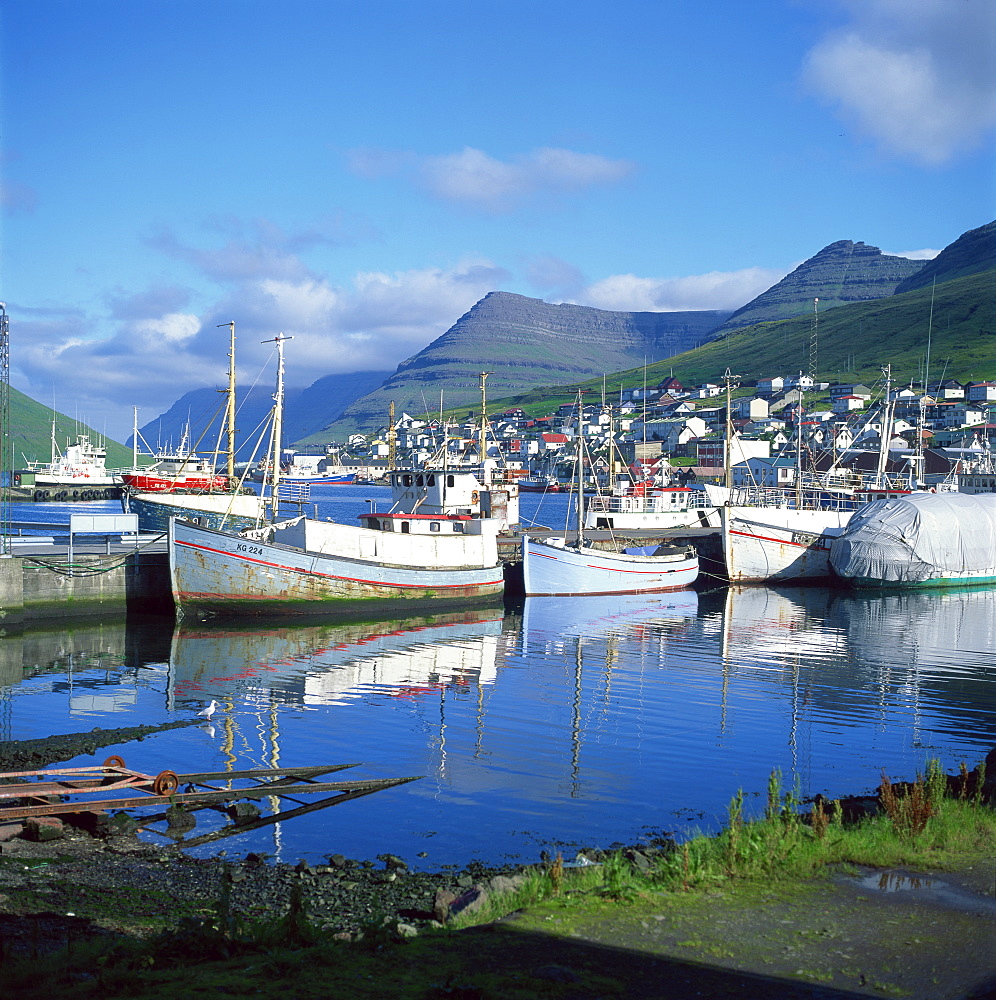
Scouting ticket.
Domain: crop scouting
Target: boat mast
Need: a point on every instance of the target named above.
(885, 433)
(798, 446)
(134, 438)
(484, 420)
(580, 504)
(230, 403)
(728, 378)
(278, 411)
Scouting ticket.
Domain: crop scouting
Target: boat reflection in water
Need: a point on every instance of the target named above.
(565, 722)
(323, 664)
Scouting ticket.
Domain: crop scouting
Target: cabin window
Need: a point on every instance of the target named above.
(408, 480)
(387, 526)
(449, 480)
(406, 527)
(432, 480)
(458, 527)
(434, 526)
(419, 481)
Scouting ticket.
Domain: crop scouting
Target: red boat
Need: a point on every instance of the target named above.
(175, 473)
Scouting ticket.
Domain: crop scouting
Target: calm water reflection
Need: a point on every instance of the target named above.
(560, 722)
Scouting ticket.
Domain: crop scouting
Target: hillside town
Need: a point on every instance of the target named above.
(677, 434)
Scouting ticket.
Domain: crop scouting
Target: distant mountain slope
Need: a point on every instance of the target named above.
(31, 433)
(840, 273)
(525, 342)
(971, 253)
(855, 341)
(305, 412)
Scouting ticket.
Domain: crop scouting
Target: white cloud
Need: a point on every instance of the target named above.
(475, 179)
(915, 76)
(158, 350)
(926, 254)
(715, 290)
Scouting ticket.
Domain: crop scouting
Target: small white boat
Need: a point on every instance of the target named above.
(553, 568)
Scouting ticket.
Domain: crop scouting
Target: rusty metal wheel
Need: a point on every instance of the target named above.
(165, 783)
(114, 761)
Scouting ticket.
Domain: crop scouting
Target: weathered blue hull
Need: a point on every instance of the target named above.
(209, 510)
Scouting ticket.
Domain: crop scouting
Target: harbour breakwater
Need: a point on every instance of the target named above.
(47, 587)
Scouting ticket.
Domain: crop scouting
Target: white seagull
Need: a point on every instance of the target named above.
(206, 713)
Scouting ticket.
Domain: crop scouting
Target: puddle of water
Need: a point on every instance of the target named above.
(932, 891)
(895, 882)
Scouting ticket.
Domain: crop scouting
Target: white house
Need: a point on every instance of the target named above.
(764, 472)
(981, 392)
(845, 404)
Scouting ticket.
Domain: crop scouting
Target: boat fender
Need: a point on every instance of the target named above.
(932, 490)
(474, 497)
(39, 495)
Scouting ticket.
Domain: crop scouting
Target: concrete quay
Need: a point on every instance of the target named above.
(37, 583)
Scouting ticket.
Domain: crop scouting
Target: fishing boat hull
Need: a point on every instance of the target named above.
(554, 570)
(775, 544)
(148, 482)
(230, 511)
(227, 574)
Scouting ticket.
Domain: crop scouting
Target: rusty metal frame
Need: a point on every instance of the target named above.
(163, 788)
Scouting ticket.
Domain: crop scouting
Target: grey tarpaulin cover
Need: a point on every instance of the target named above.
(919, 537)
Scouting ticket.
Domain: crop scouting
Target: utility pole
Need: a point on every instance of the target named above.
(392, 438)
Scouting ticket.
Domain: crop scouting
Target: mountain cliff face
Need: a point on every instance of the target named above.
(525, 342)
(971, 253)
(840, 273)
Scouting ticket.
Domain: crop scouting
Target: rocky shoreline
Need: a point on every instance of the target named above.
(78, 884)
(62, 881)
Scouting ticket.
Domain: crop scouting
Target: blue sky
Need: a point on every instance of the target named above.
(358, 174)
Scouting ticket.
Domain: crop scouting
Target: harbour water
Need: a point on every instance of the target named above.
(550, 724)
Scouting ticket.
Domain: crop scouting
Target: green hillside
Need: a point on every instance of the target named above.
(31, 432)
(853, 343)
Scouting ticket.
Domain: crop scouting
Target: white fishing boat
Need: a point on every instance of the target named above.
(80, 468)
(637, 508)
(774, 544)
(306, 566)
(921, 540)
(554, 567)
